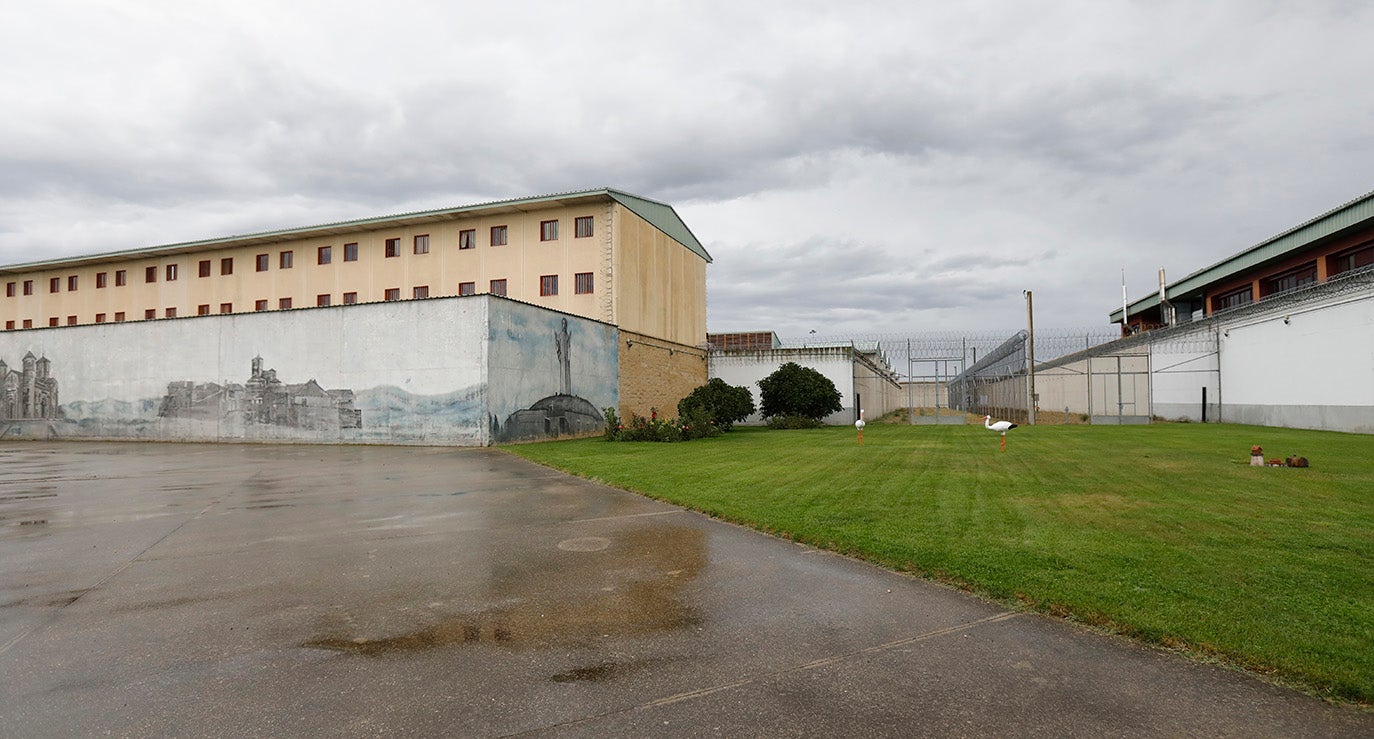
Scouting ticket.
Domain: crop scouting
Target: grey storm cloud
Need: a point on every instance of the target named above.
(867, 166)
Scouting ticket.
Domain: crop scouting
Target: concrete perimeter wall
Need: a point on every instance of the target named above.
(440, 371)
(655, 373)
(838, 364)
(1314, 370)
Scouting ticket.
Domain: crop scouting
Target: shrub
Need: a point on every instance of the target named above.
(653, 428)
(717, 401)
(794, 390)
(793, 422)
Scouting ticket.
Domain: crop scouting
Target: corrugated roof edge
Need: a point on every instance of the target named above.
(1182, 285)
(673, 226)
(664, 217)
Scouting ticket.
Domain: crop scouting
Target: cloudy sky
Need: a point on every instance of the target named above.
(853, 167)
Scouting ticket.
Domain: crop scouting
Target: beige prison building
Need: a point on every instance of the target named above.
(604, 254)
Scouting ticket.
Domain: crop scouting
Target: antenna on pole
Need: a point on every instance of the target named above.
(1123, 300)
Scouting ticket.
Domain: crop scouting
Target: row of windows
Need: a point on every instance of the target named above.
(467, 239)
(548, 285)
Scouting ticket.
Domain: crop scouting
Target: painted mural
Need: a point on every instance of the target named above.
(263, 399)
(406, 372)
(30, 392)
(568, 371)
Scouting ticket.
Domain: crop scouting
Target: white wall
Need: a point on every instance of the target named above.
(418, 371)
(745, 369)
(1314, 371)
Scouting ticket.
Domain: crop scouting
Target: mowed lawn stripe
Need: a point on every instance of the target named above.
(1161, 532)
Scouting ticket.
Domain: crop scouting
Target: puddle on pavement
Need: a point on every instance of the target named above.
(639, 582)
(598, 672)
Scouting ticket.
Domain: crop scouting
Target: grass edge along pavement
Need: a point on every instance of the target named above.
(1163, 533)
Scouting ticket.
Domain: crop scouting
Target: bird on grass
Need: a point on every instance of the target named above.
(1001, 426)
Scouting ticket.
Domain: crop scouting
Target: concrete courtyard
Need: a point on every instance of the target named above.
(242, 590)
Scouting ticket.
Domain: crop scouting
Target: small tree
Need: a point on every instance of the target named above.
(794, 390)
(719, 402)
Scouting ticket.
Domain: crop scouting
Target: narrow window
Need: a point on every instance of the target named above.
(350, 252)
(548, 230)
(420, 292)
(350, 298)
(325, 256)
(101, 280)
(150, 274)
(171, 273)
(149, 313)
(467, 288)
(170, 312)
(1233, 299)
(260, 305)
(393, 247)
(121, 277)
(393, 293)
(10, 288)
(28, 287)
(498, 287)
(548, 285)
(100, 318)
(203, 269)
(322, 300)
(1360, 256)
(9, 325)
(582, 283)
(583, 226)
(1292, 279)
(226, 266)
(203, 309)
(119, 316)
(498, 235)
(467, 239)
(53, 321)
(226, 307)
(71, 320)
(422, 244)
(28, 323)
(54, 284)
(288, 259)
(263, 260)
(284, 304)
(71, 283)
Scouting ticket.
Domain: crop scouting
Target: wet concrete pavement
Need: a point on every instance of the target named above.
(232, 590)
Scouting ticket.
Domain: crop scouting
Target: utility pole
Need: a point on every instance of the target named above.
(1030, 358)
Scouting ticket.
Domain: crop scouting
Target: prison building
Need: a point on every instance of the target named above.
(1335, 244)
(460, 325)
(603, 254)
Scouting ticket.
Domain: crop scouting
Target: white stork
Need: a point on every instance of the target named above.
(1001, 426)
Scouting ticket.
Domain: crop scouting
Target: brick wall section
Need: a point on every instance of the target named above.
(657, 374)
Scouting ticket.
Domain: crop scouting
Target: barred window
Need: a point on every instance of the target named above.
(582, 283)
(583, 226)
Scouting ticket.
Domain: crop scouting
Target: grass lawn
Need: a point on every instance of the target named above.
(1163, 532)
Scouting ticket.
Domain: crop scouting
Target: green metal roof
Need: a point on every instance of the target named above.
(660, 215)
(1351, 215)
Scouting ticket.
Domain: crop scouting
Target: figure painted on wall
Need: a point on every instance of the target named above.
(30, 393)
(564, 343)
(263, 399)
(563, 414)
